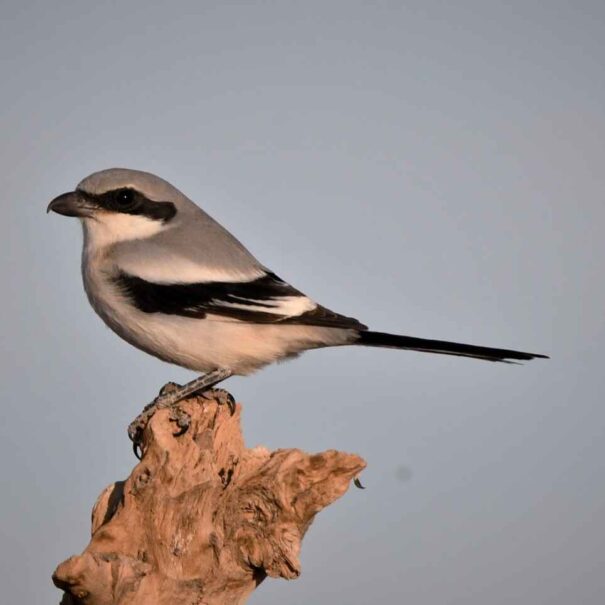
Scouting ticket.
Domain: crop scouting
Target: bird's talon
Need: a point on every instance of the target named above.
(357, 483)
(135, 433)
(230, 403)
(222, 397)
(182, 420)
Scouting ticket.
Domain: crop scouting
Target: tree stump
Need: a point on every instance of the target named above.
(202, 520)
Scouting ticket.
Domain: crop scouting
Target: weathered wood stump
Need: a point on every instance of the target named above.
(202, 520)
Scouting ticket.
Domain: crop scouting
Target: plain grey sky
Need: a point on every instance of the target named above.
(432, 168)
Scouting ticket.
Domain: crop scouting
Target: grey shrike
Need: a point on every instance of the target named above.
(171, 281)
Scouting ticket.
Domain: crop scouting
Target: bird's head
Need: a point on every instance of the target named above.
(121, 204)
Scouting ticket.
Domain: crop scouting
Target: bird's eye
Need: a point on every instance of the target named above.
(124, 198)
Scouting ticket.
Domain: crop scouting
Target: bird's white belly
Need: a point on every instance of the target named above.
(207, 344)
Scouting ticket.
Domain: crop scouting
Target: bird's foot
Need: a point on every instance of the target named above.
(170, 394)
(222, 397)
(137, 427)
(182, 420)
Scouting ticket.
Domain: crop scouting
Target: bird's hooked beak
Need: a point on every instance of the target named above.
(73, 203)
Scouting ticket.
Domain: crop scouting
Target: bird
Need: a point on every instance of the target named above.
(173, 282)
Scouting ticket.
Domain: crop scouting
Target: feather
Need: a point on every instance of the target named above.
(266, 299)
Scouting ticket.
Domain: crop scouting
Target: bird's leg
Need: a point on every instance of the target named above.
(168, 397)
(197, 385)
(222, 396)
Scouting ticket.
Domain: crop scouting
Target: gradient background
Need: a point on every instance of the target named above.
(433, 168)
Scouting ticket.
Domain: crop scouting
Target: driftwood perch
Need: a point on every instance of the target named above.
(202, 520)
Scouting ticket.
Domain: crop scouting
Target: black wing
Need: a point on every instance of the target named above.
(265, 300)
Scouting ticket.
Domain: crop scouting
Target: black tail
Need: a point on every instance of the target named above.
(395, 341)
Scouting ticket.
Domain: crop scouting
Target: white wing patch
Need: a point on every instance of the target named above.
(288, 306)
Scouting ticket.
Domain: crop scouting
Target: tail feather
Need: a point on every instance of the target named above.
(396, 341)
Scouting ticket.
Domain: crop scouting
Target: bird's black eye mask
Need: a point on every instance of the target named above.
(130, 201)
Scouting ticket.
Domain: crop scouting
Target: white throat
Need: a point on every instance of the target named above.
(108, 228)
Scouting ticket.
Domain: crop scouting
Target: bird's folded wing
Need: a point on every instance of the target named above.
(266, 299)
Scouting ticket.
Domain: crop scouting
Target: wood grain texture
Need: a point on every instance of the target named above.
(202, 520)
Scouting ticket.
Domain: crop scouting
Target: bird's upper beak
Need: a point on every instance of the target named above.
(73, 203)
